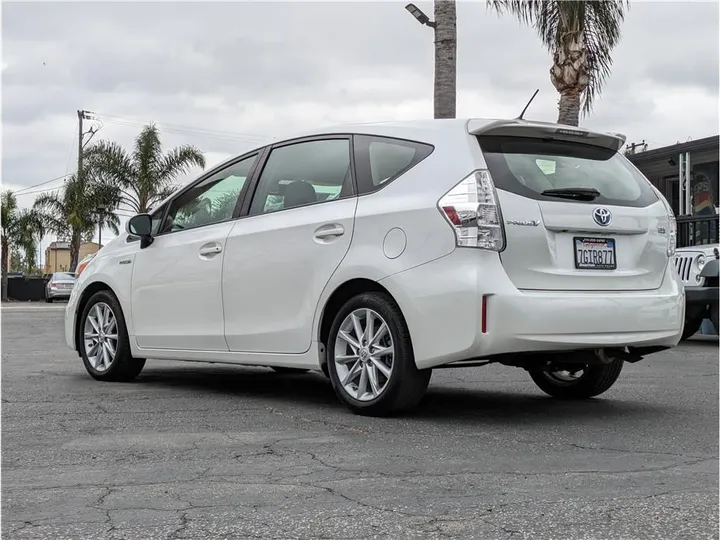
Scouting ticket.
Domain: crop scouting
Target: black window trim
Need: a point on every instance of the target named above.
(258, 153)
(397, 175)
(247, 202)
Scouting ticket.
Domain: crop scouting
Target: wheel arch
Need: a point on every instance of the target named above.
(87, 294)
(337, 299)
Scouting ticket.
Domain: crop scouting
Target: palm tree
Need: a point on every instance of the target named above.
(20, 229)
(73, 212)
(445, 97)
(580, 35)
(146, 176)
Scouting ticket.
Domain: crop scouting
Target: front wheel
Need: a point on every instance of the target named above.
(104, 342)
(714, 317)
(576, 381)
(370, 357)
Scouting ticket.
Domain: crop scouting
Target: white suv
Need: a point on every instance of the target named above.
(378, 252)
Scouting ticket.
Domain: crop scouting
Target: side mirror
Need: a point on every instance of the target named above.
(141, 226)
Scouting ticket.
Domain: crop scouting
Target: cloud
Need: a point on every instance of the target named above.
(229, 76)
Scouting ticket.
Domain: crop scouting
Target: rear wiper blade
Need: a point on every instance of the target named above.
(583, 194)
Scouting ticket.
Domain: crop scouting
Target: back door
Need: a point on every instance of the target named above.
(577, 214)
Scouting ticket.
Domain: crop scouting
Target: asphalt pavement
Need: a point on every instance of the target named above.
(200, 451)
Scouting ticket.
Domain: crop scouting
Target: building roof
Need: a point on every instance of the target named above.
(59, 245)
(666, 152)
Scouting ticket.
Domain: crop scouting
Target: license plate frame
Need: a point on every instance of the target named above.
(601, 242)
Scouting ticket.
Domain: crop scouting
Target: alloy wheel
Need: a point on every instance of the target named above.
(101, 336)
(364, 354)
(565, 377)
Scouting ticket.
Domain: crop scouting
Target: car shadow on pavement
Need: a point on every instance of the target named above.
(499, 407)
(456, 404)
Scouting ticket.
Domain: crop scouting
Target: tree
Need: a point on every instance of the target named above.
(73, 212)
(445, 59)
(146, 176)
(580, 35)
(20, 230)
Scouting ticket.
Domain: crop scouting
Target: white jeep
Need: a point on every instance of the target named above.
(697, 267)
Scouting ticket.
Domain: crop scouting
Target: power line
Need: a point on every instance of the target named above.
(20, 191)
(196, 133)
(190, 129)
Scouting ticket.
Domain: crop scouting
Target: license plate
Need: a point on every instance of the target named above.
(595, 254)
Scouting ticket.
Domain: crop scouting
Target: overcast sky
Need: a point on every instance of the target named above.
(228, 76)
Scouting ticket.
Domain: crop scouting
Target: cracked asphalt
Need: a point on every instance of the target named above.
(200, 451)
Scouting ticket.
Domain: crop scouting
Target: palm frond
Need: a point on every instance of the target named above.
(109, 163)
(595, 24)
(179, 161)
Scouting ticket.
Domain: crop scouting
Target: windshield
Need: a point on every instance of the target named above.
(528, 167)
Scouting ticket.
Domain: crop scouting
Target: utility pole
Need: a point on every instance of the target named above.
(81, 117)
(445, 30)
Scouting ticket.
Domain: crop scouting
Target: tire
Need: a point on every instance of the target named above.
(121, 367)
(595, 381)
(399, 382)
(287, 370)
(692, 326)
(714, 317)
(49, 300)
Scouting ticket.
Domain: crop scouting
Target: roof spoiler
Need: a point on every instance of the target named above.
(546, 130)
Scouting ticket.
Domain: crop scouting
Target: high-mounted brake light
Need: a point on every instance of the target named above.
(473, 210)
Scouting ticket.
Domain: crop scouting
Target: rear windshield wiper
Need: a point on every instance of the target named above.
(581, 194)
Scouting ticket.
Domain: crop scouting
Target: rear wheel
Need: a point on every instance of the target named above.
(714, 317)
(370, 357)
(104, 343)
(576, 381)
(692, 326)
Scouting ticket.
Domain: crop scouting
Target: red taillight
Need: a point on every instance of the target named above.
(483, 323)
(452, 215)
(473, 210)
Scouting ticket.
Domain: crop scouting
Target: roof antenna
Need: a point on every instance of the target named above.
(528, 104)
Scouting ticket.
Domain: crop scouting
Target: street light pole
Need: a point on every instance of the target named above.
(445, 30)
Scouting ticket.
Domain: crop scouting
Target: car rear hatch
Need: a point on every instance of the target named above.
(577, 214)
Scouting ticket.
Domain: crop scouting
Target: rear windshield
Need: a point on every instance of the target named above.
(528, 167)
(61, 276)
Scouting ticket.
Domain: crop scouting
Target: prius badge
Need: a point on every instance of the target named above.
(531, 223)
(602, 216)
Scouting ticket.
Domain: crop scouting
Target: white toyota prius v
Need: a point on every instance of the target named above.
(379, 252)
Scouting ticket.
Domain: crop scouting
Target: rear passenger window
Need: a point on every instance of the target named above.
(304, 173)
(379, 160)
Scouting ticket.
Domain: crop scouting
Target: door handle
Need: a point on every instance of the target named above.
(329, 230)
(208, 250)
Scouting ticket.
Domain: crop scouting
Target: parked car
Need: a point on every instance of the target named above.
(697, 267)
(59, 286)
(449, 243)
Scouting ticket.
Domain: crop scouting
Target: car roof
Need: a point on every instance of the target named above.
(434, 131)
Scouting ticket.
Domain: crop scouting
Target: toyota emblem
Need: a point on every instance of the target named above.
(602, 216)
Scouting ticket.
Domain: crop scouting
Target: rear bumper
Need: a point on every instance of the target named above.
(442, 304)
(58, 293)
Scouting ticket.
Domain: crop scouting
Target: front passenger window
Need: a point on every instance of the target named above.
(211, 201)
(304, 173)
